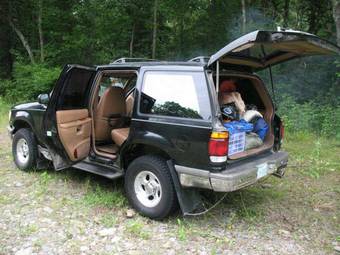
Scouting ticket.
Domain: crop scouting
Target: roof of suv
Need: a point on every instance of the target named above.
(151, 64)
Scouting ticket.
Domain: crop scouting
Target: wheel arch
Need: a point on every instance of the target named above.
(21, 123)
(133, 151)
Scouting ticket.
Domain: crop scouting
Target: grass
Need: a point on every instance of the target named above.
(5, 200)
(313, 155)
(28, 230)
(102, 197)
(181, 230)
(108, 220)
(4, 108)
(137, 228)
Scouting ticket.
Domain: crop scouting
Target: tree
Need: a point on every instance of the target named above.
(286, 13)
(244, 17)
(22, 39)
(6, 60)
(154, 33)
(41, 37)
(336, 16)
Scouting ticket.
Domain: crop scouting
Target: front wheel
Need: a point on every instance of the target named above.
(24, 149)
(149, 187)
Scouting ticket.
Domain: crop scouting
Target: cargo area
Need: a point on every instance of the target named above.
(258, 108)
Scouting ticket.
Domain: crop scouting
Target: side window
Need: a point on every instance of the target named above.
(127, 81)
(75, 92)
(177, 94)
(104, 84)
(130, 85)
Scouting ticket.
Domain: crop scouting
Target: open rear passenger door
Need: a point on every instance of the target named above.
(261, 49)
(67, 123)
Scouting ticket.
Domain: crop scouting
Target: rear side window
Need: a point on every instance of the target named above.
(177, 94)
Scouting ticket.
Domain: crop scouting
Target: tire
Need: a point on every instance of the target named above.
(24, 149)
(157, 199)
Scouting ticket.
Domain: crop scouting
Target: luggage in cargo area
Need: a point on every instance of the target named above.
(250, 127)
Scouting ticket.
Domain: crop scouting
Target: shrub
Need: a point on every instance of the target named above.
(28, 82)
(310, 117)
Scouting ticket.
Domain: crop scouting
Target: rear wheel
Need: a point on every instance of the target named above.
(24, 149)
(149, 187)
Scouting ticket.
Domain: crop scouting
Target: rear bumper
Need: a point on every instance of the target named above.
(235, 176)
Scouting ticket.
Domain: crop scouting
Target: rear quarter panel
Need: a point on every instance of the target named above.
(186, 144)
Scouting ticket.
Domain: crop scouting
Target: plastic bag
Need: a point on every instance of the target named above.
(252, 140)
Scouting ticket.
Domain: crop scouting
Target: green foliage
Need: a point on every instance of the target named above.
(4, 108)
(311, 154)
(96, 32)
(310, 117)
(28, 82)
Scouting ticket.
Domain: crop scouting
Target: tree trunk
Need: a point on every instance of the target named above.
(41, 38)
(23, 40)
(286, 14)
(181, 37)
(132, 40)
(154, 34)
(6, 60)
(244, 17)
(336, 16)
(312, 19)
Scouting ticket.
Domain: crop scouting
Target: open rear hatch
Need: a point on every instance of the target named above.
(259, 50)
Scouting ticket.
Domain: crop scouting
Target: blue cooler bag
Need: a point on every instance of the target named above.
(261, 128)
(238, 126)
(237, 131)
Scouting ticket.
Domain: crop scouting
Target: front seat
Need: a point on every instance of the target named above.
(109, 109)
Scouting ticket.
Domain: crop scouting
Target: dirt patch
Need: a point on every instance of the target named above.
(72, 212)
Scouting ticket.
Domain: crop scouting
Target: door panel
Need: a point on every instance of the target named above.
(74, 128)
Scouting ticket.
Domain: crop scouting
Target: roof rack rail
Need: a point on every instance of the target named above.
(125, 60)
(200, 59)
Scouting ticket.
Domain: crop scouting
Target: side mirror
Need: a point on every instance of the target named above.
(43, 98)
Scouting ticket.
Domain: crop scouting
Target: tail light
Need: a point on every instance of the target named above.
(218, 146)
(282, 130)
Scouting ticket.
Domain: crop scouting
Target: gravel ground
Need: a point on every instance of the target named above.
(60, 213)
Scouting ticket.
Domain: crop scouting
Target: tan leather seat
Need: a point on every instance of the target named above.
(111, 102)
(119, 135)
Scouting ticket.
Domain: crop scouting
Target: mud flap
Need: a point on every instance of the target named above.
(189, 199)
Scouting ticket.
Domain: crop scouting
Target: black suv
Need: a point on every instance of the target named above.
(159, 124)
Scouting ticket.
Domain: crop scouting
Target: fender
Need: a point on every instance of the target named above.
(29, 119)
(22, 116)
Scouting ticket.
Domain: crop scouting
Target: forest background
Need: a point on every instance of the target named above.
(38, 37)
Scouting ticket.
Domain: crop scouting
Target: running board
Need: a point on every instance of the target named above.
(109, 172)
